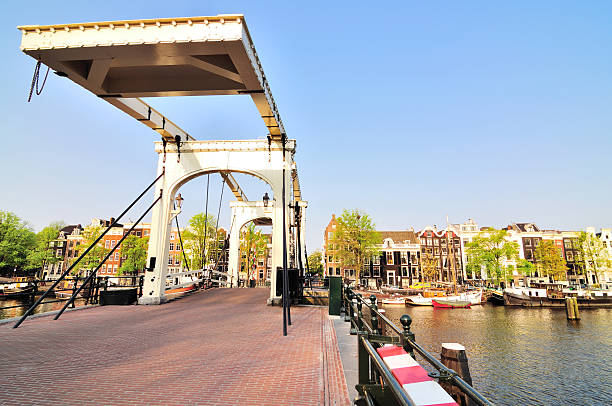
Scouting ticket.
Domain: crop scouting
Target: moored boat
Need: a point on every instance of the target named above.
(16, 292)
(450, 304)
(400, 301)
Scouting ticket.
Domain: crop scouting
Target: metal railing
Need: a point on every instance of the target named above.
(372, 369)
(91, 292)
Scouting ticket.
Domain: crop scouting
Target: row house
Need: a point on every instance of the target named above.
(64, 249)
(605, 236)
(397, 264)
(443, 247)
(332, 266)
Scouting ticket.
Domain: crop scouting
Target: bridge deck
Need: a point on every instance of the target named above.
(220, 347)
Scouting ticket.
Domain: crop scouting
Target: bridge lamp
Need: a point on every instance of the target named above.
(179, 201)
(266, 199)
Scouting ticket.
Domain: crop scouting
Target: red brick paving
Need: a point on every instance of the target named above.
(219, 347)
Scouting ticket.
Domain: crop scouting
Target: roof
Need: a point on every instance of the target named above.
(123, 61)
(69, 229)
(400, 236)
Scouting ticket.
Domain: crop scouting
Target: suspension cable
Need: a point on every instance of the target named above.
(95, 271)
(219, 214)
(35, 81)
(181, 241)
(67, 271)
(205, 222)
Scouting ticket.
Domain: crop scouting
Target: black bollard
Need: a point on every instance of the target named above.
(408, 335)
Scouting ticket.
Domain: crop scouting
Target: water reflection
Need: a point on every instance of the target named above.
(524, 356)
(26, 303)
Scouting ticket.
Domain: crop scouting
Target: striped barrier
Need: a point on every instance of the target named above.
(422, 390)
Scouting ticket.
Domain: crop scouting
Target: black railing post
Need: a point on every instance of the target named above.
(408, 336)
(140, 284)
(347, 293)
(374, 317)
(105, 283)
(353, 330)
(359, 313)
(74, 290)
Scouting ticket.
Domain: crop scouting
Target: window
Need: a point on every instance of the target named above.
(376, 260)
(567, 244)
(366, 261)
(389, 258)
(528, 255)
(330, 235)
(137, 233)
(569, 255)
(58, 253)
(146, 233)
(113, 243)
(107, 244)
(116, 256)
(376, 272)
(172, 236)
(404, 258)
(59, 267)
(423, 241)
(170, 260)
(178, 246)
(177, 260)
(366, 271)
(405, 271)
(103, 268)
(329, 258)
(429, 242)
(437, 251)
(414, 259)
(171, 246)
(337, 271)
(536, 242)
(527, 242)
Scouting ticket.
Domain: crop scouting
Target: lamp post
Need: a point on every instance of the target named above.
(266, 199)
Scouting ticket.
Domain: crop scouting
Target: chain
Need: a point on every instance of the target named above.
(35, 81)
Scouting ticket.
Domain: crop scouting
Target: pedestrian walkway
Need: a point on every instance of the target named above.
(218, 347)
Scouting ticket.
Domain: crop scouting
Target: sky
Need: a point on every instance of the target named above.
(408, 111)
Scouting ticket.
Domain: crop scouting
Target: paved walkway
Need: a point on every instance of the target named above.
(219, 347)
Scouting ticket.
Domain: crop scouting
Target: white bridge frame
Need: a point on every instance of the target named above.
(260, 158)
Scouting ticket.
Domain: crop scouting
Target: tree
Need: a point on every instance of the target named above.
(199, 240)
(43, 254)
(593, 255)
(355, 239)
(16, 240)
(429, 266)
(134, 251)
(489, 249)
(315, 262)
(549, 260)
(96, 254)
(253, 245)
(525, 267)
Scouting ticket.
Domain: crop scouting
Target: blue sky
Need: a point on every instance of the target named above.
(409, 111)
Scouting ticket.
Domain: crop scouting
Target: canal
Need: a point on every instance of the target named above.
(520, 356)
(18, 311)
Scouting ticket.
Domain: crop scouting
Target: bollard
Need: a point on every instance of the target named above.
(408, 335)
(453, 356)
(571, 308)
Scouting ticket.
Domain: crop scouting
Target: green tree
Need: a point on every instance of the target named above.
(593, 255)
(549, 260)
(95, 255)
(43, 254)
(355, 239)
(16, 241)
(253, 245)
(134, 252)
(199, 240)
(429, 267)
(525, 267)
(315, 262)
(489, 249)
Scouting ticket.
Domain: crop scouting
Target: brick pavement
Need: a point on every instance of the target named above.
(219, 347)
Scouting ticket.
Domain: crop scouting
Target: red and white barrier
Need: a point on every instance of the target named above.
(423, 390)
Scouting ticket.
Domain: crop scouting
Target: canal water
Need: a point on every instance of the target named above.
(18, 311)
(524, 356)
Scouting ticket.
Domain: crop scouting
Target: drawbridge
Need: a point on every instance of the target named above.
(122, 62)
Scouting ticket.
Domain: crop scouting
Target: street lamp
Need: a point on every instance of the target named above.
(266, 199)
(179, 201)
